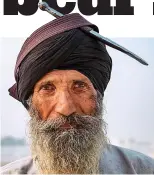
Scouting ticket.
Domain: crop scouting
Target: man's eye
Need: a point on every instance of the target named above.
(79, 86)
(48, 87)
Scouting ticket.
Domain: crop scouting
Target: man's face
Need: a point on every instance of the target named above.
(66, 128)
(64, 92)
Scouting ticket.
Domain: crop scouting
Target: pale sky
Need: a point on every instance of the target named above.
(129, 98)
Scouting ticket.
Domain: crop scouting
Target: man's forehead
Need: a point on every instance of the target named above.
(63, 75)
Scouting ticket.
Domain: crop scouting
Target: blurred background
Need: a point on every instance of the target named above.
(129, 100)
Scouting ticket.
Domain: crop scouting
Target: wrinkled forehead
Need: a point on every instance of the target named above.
(63, 76)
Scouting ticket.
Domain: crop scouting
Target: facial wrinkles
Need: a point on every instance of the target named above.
(64, 96)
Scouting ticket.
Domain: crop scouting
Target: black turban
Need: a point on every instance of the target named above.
(69, 50)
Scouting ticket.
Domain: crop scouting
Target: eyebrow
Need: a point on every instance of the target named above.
(79, 80)
(45, 82)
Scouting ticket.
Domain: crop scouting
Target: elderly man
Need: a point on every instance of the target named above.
(61, 75)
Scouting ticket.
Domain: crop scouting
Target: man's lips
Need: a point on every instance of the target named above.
(67, 126)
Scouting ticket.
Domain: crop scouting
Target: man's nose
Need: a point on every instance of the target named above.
(65, 105)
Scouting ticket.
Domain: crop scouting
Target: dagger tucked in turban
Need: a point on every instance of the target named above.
(61, 44)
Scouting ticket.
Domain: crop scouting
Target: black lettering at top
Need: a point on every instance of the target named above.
(11, 7)
(123, 8)
(69, 7)
(103, 7)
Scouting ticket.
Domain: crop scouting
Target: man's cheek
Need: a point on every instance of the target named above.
(93, 101)
(88, 104)
(42, 107)
(45, 110)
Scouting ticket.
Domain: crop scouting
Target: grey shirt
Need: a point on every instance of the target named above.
(114, 160)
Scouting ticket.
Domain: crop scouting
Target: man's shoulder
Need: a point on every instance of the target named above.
(115, 160)
(128, 160)
(19, 167)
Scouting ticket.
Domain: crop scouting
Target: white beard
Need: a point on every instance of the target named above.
(68, 151)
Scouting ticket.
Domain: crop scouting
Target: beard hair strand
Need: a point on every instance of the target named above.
(68, 151)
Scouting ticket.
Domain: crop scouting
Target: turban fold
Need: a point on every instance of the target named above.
(69, 48)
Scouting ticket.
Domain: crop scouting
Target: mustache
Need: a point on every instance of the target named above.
(75, 149)
(77, 121)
